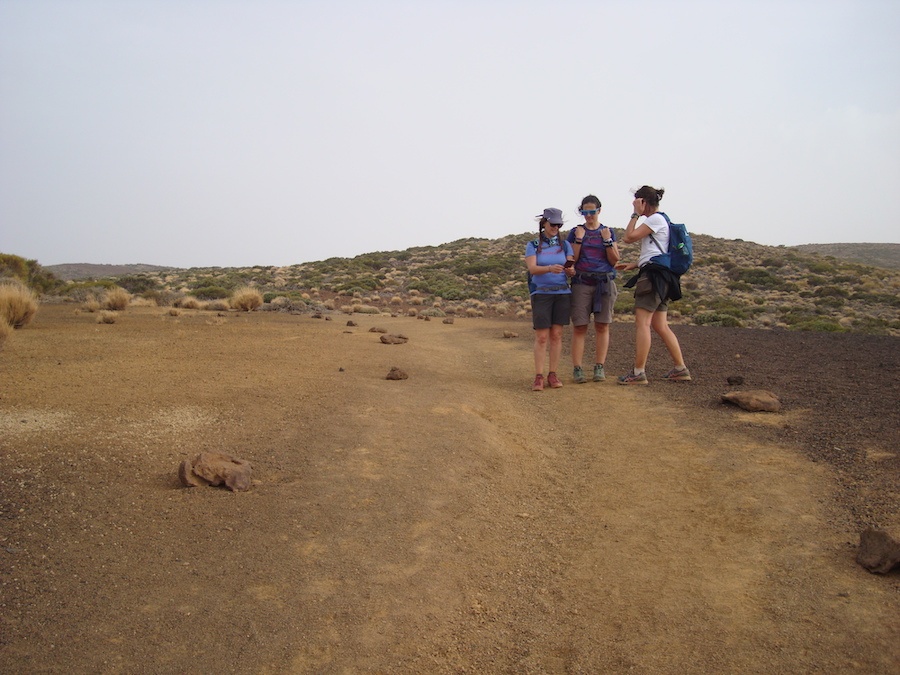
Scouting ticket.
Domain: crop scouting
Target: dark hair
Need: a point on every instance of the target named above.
(542, 238)
(590, 199)
(650, 195)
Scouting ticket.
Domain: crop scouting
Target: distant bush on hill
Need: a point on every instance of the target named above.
(29, 272)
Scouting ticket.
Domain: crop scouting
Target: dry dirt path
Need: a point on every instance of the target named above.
(451, 522)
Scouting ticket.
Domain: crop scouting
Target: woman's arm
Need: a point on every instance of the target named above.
(535, 269)
(612, 251)
(635, 232)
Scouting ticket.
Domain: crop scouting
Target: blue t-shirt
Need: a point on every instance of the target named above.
(593, 253)
(550, 254)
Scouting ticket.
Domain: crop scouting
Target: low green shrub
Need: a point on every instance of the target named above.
(820, 325)
(717, 319)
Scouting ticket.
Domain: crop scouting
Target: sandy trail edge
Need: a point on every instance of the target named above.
(451, 522)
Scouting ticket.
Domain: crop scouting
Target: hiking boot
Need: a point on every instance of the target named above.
(678, 375)
(538, 383)
(599, 373)
(631, 378)
(578, 375)
(553, 380)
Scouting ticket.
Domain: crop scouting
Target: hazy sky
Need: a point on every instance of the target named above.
(216, 133)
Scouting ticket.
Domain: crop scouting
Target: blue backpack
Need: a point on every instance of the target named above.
(681, 249)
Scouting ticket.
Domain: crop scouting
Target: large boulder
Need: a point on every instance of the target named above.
(215, 468)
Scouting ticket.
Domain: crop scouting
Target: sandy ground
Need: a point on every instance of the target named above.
(451, 522)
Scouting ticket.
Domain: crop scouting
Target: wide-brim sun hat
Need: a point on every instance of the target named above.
(553, 216)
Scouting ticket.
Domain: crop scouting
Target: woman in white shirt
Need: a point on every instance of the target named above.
(654, 286)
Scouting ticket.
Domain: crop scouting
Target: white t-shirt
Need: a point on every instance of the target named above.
(660, 228)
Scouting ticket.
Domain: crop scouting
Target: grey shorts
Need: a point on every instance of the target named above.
(550, 309)
(583, 304)
(646, 298)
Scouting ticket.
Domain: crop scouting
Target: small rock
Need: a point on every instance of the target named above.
(341, 369)
(879, 552)
(328, 318)
(754, 400)
(735, 380)
(396, 374)
(427, 318)
(449, 319)
(351, 322)
(377, 329)
(215, 468)
(317, 315)
(394, 339)
(510, 334)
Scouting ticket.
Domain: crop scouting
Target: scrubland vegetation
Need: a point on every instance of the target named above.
(733, 283)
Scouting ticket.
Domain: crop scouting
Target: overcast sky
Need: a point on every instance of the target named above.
(214, 133)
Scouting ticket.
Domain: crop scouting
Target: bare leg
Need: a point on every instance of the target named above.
(555, 346)
(642, 319)
(601, 334)
(660, 324)
(578, 336)
(540, 348)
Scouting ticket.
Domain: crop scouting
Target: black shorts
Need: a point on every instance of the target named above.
(550, 309)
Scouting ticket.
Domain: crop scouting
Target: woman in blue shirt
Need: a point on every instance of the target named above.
(549, 260)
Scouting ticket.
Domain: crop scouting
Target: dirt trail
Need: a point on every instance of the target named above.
(451, 522)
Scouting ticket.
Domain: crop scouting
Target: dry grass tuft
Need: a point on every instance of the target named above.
(18, 303)
(106, 316)
(219, 305)
(188, 302)
(396, 300)
(144, 302)
(90, 304)
(5, 331)
(412, 311)
(246, 299)
(116, 300)
(174, 311)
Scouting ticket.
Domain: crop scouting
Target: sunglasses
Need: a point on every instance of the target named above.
(552, 225)
(590, 212)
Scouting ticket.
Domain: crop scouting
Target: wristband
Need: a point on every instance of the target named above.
(578, 241)
(634, 215)
(608, 243)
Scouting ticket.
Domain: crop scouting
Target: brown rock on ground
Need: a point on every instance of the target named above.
(215, 468)
(377, 329)
(510, 334)
(394, 339)
(449, 319)
(397, 374)
(754, 400)
(879, 552)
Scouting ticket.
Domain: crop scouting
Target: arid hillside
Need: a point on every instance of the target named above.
(733, 283)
